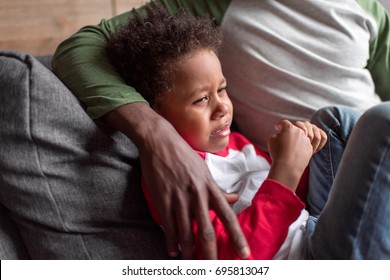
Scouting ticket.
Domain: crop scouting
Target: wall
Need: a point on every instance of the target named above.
(38, 26)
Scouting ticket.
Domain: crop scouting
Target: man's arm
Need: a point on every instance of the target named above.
(379, 61)
(180, 183)
(80, 61)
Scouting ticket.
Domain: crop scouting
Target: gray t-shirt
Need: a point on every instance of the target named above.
(285, 59)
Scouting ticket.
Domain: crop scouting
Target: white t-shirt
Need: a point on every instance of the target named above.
(285, 59)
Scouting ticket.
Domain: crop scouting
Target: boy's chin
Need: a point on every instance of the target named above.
(219, 146)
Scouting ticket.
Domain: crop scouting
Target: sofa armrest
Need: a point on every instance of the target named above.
(69, 186)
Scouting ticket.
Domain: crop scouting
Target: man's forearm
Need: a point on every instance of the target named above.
(137, 121)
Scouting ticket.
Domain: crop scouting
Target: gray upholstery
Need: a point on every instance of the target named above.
(69, 187)
(386, 4)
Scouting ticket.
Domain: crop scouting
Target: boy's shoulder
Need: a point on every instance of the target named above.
(237, 142)
(238, 139)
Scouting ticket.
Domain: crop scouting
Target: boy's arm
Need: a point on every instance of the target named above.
(290, 150)
(265, 222)
(180, 181)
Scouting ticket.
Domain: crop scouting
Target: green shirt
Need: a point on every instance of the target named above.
(81, 64)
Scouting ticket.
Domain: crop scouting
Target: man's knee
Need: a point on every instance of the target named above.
(378, 115)
(340, 119)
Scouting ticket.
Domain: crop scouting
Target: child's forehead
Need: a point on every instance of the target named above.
(199, 69)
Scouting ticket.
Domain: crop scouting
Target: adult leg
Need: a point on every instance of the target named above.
(355, 222)
(337, 122)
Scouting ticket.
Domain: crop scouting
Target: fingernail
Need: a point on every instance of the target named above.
(173, 254)
(245, 252)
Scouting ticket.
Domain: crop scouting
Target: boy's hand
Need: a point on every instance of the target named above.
(291, 150)
(179, 182)
(316, 135)
(231, 198)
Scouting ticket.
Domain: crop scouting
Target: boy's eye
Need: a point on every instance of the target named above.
(201, 100)
(223, 89)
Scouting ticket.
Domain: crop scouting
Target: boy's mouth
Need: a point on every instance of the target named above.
(222, 132)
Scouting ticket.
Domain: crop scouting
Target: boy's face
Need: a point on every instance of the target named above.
(198, 106)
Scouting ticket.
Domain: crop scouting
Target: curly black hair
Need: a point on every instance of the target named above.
(146, 50)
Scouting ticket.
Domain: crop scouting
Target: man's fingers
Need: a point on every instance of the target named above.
(171, 236)
(183, 219)
(206, 232)
(229, 219)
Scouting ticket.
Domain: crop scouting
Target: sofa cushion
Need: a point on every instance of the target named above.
(69, 186)
(11, 243)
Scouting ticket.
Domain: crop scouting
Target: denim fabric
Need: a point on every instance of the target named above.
(355, 223)
(337, 122)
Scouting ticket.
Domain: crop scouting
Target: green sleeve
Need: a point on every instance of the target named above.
(81, 64)
(379, 61)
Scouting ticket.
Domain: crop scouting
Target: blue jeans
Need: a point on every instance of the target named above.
(337, 122)
(355, 220)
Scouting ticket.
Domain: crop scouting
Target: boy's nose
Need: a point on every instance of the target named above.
(220, 110)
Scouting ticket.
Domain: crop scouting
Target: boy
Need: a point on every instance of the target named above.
(173, 61)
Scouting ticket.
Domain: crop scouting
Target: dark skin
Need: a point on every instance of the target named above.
(190, 191)
(189, 183)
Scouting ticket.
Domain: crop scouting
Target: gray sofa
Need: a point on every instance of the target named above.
(68, 185)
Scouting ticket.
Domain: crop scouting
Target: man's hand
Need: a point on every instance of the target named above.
(179, 182)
